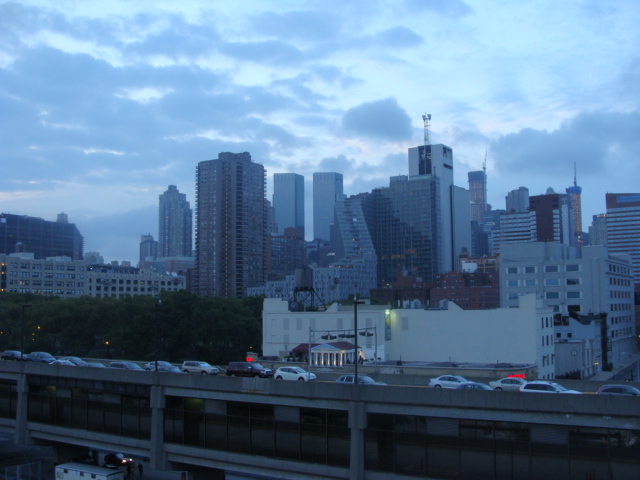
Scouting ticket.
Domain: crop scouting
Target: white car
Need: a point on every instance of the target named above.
(544, 386)
(508, 384)
(294, 373)
(447, 381)
(203, 368)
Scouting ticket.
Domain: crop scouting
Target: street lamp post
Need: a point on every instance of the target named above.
(24, 307)
(355, 330)
(158, 304)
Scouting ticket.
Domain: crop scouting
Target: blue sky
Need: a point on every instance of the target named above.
(105, 104)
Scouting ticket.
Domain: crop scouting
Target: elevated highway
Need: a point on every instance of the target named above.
(213, 426)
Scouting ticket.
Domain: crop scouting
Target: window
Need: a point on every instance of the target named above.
(551, 268)
(572, 268)
(513, 296)
(573, 294)
(512, 270)
(553, 282)
(573, 281)
(552, 295)
(512, 283)
(530, 282)
(529, 269)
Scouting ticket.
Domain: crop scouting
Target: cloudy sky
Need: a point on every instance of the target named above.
(105, 104)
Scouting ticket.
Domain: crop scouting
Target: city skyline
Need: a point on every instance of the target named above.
(104, 105)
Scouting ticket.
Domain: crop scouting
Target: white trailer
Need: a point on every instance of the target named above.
(76, 471)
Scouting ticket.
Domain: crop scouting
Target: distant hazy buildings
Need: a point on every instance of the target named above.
(288, 201)
(148, 248)
(231, 225)
(288, 252)
(327, 190)
(21, 233)
(93, 258)
(623, 227)
(598, 230)
(517, 200)
(175, 224)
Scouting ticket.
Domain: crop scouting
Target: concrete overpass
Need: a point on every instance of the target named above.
(274, 429)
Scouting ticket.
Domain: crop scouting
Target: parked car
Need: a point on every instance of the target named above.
(248, 369)
(40, 357)
(294, 373)
(68, 363)
(362, 380)
(171, 369)
(152, 365)
(474, 386)
(96, 365)
(618, 390)
(12, 355)
(203, 368)
(545, 386)
(507, 384)
(133, 366)
(447, 381)
(118, 460)
(78, 362)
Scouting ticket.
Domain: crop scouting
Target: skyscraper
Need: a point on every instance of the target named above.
(288, 201)
(623, 227)
(598, 230)
(231, 225)
(174, 224)
(574, 193)
(327, 189)
(437, 161)
(478, 194)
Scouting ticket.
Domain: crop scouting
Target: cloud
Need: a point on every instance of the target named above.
(399, 37)
(449, 9)
(593, 140)
(316, 26)
(381, 120)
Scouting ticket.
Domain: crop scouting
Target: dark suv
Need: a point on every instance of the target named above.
(248, 369)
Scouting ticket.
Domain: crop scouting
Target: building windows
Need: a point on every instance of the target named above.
(551, 268)
(512, 283)
(512, 270)
(552, 295)
(573, 294)
(513, 296)
(551, 282)
(529, 269)
(572, 268)
(573, 281)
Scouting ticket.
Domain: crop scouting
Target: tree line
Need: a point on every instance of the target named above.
(174, 326)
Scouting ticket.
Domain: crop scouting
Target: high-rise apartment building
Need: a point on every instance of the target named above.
(478, 195)
(21, 233)
(288, 201)
(517, 200)
(175, 223)
(327, 190)
(623, 227)
(553, 217)
(231, 225)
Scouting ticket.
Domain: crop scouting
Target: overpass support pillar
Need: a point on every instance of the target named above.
(357, 425)
(157, 458)
(22, 436)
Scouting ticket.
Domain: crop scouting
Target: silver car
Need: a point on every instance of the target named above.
(191, 366)
(294, 373)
